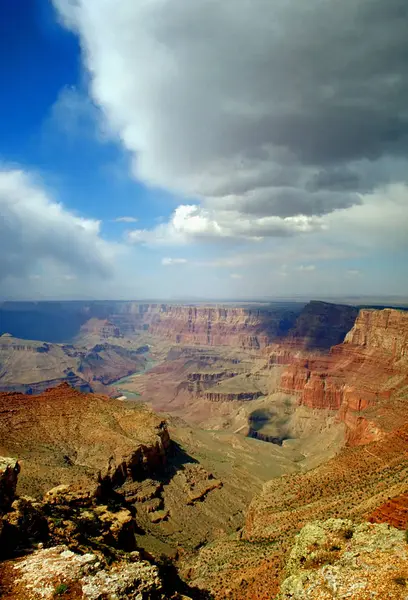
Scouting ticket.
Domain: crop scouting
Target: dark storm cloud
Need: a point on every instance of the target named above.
(337, 179)
(231, 102)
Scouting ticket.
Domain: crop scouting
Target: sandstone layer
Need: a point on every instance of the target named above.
(317, 325)
(365, 378)
(250, 328)
(394, 511)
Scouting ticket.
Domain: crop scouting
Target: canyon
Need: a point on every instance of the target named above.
(249, 425)
(315, 325)
(31, 367)
(364, 379)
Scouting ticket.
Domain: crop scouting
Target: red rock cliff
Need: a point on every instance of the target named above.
(207, 325)
(318, 325)
(369, 369)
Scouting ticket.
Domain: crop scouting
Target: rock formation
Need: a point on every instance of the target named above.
(250, 328)
(394, 511)
(123, 452)
(317, 325)
(80, 435)
(102, 328)
(337, 559)
(321, 325)
(369, 370)
(86, 550)
(354, 485)
(9, 470)
(31, 367)
(55, 572)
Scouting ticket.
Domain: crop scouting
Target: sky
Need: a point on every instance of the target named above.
(172, 149)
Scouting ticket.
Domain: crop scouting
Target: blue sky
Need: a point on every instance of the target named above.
(141, 156)
(41, 64)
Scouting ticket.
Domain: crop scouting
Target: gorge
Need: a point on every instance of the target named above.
(242, 426)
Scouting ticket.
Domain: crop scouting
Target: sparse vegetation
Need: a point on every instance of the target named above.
(60, 590)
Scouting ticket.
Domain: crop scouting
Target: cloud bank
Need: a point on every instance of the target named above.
(35, 230)
(267, 116)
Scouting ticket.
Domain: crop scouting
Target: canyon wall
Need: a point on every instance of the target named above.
(250, 328)
(369, 369)
(316, 325)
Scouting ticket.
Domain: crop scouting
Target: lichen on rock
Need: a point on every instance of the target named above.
(336, 559)
(42, 572)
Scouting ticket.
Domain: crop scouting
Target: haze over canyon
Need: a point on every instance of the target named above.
(203, 300)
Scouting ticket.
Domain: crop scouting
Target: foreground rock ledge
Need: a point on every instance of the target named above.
(336, 559)
(52, 572)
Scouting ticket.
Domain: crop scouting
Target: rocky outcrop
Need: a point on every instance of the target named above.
(107, 363)
(101, 328)
(81, 436)
(85, 549)
(82, 518)
(214, 396)
(321, 325)
(368, 370)
(385, 330)
(337, 559)
(55, 572)
(9, 470)
(394, 512)
(203, 380)
(22, 526)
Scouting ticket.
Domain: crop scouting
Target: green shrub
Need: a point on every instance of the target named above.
(61, 589)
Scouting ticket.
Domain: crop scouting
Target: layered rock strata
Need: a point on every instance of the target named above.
(369, 369)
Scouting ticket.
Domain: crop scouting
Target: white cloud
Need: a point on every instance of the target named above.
(236, 276)
(126, 220)
(353, 272)
(193, 222)
(34, 229)
(167, 262)
(306, 268)
(380, 221)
